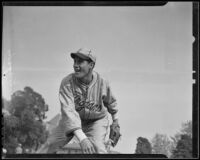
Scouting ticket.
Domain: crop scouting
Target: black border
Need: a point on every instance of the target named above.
(84, 3)
(195, 75)
(85, 156)
(195, 99)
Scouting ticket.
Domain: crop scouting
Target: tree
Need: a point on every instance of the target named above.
(5, 103)
(143, 146)
(25, 122)
(30, 100)
(161, 144)
(186, 129)
(183, 148)
(11, 125)
(5, 107)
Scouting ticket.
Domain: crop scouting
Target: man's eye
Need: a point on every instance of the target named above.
(80, 61)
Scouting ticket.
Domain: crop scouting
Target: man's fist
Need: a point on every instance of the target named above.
(87, 146)
(114, 133)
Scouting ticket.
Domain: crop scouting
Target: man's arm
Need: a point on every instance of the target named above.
(70, 117)
(86, 145)
(110, 101)
(115, 116)
(80, 135)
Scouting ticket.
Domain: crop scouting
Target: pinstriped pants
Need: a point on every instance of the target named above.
(95, 130)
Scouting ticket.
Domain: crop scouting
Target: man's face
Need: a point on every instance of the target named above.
(81, 67)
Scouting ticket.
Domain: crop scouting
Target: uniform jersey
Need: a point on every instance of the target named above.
(80, 102)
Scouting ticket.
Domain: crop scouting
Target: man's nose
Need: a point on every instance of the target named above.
(76, 65)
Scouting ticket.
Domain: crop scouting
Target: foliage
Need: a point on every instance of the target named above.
(30, 100)
(143, 146)
(25, 123)
(5, 103)
(186, 129)
(183, 148)
(161, 144)
(5, 107)
(11, 125)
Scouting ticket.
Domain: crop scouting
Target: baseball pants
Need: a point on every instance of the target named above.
(95, 130)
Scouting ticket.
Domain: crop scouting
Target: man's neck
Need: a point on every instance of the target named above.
(87, 79)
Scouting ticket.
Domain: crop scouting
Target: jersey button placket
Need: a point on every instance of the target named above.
(85, 98)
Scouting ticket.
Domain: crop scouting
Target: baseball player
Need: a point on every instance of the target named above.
(86, 99)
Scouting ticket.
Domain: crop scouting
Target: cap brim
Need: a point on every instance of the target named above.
(80, 55)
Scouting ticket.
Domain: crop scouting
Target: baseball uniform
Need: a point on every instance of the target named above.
(83, 107)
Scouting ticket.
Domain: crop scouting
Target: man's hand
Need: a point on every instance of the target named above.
(87, 146)
(114, 132)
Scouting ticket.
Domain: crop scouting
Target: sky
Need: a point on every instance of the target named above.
(144, 52)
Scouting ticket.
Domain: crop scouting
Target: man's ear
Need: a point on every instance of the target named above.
(92, 64)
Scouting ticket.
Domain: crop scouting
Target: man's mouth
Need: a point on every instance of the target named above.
(77, 70)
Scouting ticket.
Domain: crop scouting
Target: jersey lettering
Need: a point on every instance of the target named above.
(82, 103)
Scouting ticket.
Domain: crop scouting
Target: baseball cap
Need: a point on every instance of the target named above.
(85, 54)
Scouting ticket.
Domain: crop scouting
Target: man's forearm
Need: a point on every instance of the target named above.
(80, 134)
(114, 116)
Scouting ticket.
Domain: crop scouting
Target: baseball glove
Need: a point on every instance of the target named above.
(114, 134)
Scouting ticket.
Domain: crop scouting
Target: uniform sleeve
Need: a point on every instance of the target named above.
(110, 101)
(70, 117)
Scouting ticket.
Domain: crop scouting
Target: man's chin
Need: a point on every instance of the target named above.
(77, 75)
